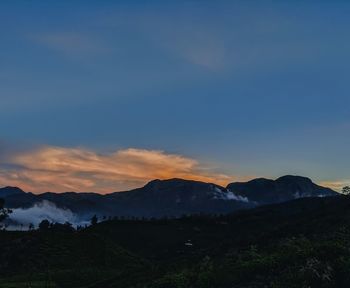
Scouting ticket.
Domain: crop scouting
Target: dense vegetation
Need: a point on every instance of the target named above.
(303, 243)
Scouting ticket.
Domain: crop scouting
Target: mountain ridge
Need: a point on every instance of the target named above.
(285, 188)
(10, 190)
(174, 197)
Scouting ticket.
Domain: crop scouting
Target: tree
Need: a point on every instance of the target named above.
(58, 227)
(44, 225)
(4, 213)
(94, 220)
(346, 190)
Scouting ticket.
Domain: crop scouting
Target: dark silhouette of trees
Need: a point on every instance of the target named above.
(346, 190)
(4, 212)
(68, 224)
(94, 220)
(44, 225)
(58, 227)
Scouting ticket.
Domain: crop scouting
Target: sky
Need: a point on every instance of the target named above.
(107, 95)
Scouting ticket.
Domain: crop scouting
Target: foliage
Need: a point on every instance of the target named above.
(4, 212)
(44, 225)
(94, 220)
(346, 190)
(304, 243)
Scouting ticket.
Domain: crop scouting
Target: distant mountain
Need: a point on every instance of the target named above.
(286, 188)
(7, 191)
(158, 198)
(174, 197)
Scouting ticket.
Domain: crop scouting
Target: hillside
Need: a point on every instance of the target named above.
(301, 243)
(286, 188)
(173, 198)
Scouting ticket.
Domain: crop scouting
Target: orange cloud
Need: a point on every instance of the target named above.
(76, 169)
(336, 185)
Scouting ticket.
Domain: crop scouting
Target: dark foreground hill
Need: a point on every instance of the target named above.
(302, 243)
(174, 197)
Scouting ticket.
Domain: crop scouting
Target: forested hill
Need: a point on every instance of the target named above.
(301, 243)
(173, 197)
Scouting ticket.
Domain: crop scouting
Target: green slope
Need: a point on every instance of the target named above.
(303, 243)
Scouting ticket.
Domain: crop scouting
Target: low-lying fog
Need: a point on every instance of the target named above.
(22, 218)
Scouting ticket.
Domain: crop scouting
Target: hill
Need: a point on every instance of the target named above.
(301, 243)
(173, 198)
(286, 188)
(10, 191)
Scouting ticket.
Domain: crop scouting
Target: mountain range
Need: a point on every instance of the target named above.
(173, 197)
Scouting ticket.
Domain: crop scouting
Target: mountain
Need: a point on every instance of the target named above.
(158, 198)
(174, 197)
(7, 191)
(286, 188)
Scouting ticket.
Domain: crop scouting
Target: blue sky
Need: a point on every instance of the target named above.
(246, 88)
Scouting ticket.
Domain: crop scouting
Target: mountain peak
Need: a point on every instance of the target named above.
(285, 188)
(294, 178)
(174, 182)
(9, 190)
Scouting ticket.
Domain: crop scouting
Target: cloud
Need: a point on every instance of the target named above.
(70, 43)
(198, 41)
(41, 211)
(77, 169)
(203, 50)
(336, 185)
(229, 195)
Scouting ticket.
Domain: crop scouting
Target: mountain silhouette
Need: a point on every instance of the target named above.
(174, 197)
(7, 191)
(286, 188)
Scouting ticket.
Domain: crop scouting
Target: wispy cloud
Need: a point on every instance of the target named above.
(71, 43)
(178, 35)
(77, 169)
(336, 185)
(202, 49)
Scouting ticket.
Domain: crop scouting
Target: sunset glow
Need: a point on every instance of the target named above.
(213, 91)
(76, 169)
